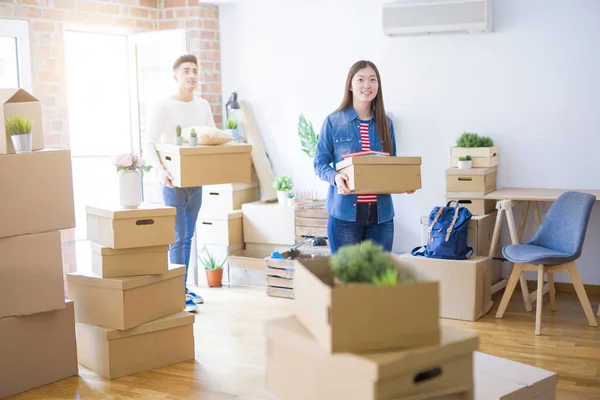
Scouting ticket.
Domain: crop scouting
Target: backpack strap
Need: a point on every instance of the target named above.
(437, 216)
(416, 252)
(449, 231)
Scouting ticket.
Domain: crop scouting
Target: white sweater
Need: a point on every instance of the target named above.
(162, 124)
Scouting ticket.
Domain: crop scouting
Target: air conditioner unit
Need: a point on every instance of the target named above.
(417, 17)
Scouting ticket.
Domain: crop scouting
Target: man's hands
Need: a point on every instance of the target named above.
(340, 181)
(167, 179)
(410, 191)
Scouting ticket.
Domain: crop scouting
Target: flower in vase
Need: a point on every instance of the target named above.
(130, 162)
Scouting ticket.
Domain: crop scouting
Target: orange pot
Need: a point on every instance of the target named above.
(214, 277)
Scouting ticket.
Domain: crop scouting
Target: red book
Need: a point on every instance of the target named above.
(365, 153)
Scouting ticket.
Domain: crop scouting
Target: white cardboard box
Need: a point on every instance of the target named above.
(269, 223)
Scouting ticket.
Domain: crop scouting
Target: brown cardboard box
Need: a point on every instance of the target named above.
(375, 175)
(360, 317)
(221, 199)
(37, 350)
(31, 274)
(298, 369)
(207, 165)
(124, 303)
(38, 192)
(268, 223)
(220, 229)
(113, 353)
(465, 285)
(481, 157)
(498, 378)
(111, 263)
(471, 180)
(18, 102)
(474, 202)
(119, 228)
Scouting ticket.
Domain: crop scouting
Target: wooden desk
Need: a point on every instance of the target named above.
(507, 199)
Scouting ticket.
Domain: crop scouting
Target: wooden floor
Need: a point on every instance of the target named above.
(230, 351)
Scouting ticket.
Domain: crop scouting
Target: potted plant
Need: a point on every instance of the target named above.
(214, 270)
(464, 162)
(193, 138)
(480, 148)
(232, 127)
(308, 137)
(19, 130)
(291, 199)
(283, 185)
(130, 168)
(178, 137)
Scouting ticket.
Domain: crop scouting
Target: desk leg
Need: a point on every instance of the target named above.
(493, 246)
(514, 237)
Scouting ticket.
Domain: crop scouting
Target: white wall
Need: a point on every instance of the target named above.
(533, 85)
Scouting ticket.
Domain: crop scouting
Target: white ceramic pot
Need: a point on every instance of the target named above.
(291, 201)
(193, 141)
(21, 143)
(282, 197)
(130, 188)
(234, 133)
(465, 164)
(178, 140)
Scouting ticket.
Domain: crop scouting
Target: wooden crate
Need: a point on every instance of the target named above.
(311, 219)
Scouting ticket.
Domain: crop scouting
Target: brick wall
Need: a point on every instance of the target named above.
(47, 20)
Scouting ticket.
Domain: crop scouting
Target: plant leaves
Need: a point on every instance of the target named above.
(308, 137)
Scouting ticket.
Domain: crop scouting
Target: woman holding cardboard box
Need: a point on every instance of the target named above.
(359, 124)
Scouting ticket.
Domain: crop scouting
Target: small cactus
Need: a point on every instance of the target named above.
(468, 158)
(193, 133)
(178, 131)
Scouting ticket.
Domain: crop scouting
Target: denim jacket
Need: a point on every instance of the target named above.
(340, 134)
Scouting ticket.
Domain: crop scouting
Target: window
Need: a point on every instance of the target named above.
(15, 56)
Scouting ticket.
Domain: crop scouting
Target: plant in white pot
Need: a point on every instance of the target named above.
(464, 162)
(130, 168)
(178, 137)
(231, 126)
(193, 138)
(283, 185)
(19, 130)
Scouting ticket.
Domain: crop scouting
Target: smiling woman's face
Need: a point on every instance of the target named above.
(364, 85)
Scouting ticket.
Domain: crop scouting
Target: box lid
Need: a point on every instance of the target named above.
(178, 319)
(378, 160)
(231, 147)
(124, 283)
(145, 210)
(107, 251)
(471, 171)
(207, 216)
(376, 365)
(16, 96)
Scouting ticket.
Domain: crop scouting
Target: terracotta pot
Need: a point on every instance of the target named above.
(214, 277)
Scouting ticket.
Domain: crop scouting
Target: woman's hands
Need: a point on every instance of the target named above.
(340, 182)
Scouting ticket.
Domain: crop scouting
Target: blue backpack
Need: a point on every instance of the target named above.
(447, 234)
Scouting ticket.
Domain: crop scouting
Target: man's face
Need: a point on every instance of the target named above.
(186, 76)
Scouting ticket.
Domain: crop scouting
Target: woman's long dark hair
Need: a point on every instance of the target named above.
(383, 130)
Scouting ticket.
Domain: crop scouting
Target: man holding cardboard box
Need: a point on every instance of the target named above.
(180, 110)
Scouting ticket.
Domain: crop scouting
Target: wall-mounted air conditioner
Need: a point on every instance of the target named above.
(417, 17)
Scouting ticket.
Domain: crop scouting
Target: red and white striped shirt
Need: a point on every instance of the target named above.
(366, 145)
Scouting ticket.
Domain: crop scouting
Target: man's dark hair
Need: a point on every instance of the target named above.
(183, 59)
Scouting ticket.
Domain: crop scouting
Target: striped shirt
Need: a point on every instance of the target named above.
(366, 145)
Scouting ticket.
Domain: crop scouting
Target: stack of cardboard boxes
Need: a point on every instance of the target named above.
(37, 325)
(129, 309)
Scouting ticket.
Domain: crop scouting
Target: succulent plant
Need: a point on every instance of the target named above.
(283, 184)
(193, 133)
(178, 131)
(231, 124)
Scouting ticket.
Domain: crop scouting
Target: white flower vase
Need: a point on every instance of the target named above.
(282, 197)
(22, 143)
(130, 188)
(465, 164)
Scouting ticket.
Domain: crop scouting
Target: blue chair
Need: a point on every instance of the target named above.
(554, 248)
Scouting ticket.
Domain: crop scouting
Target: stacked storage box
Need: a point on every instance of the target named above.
(129, 309)
(37, 325)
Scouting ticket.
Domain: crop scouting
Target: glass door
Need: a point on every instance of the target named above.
(15, 55)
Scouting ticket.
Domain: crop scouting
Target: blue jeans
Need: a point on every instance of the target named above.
(365, 228)
(187, 202)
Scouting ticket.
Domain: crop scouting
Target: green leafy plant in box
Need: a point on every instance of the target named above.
(471, 139)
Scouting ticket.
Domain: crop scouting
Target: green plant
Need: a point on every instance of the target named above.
(210, 262)
(308, 137)
(465, 158)
(283, 184)
(178, 131)
(231, 124)
(470, 139)
(17, 126)
(193, 133)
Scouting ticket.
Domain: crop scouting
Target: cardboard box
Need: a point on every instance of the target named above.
(111, 263)
(474, 202)
(31, 274)
(118, 228)
(481, 157)
(207, 165)
(221, 199)
(112, 353)
(268, 223)
(298, 369)
(377, 175)
(498, 378)
(41, 175)
(358, 317)
(465, 285)
(37, 350)
(220, 229)
(18, 102)
(248, 268)
(124, 303)
(481, 180)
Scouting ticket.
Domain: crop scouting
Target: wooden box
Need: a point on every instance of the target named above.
(481, 157)
(381, 174)
(221, 199)
(111, 263)
(207, 165)
(311, 219)
(248, 268)
(119, 228)
(480, 180)
(474, 202)
(220, 229)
